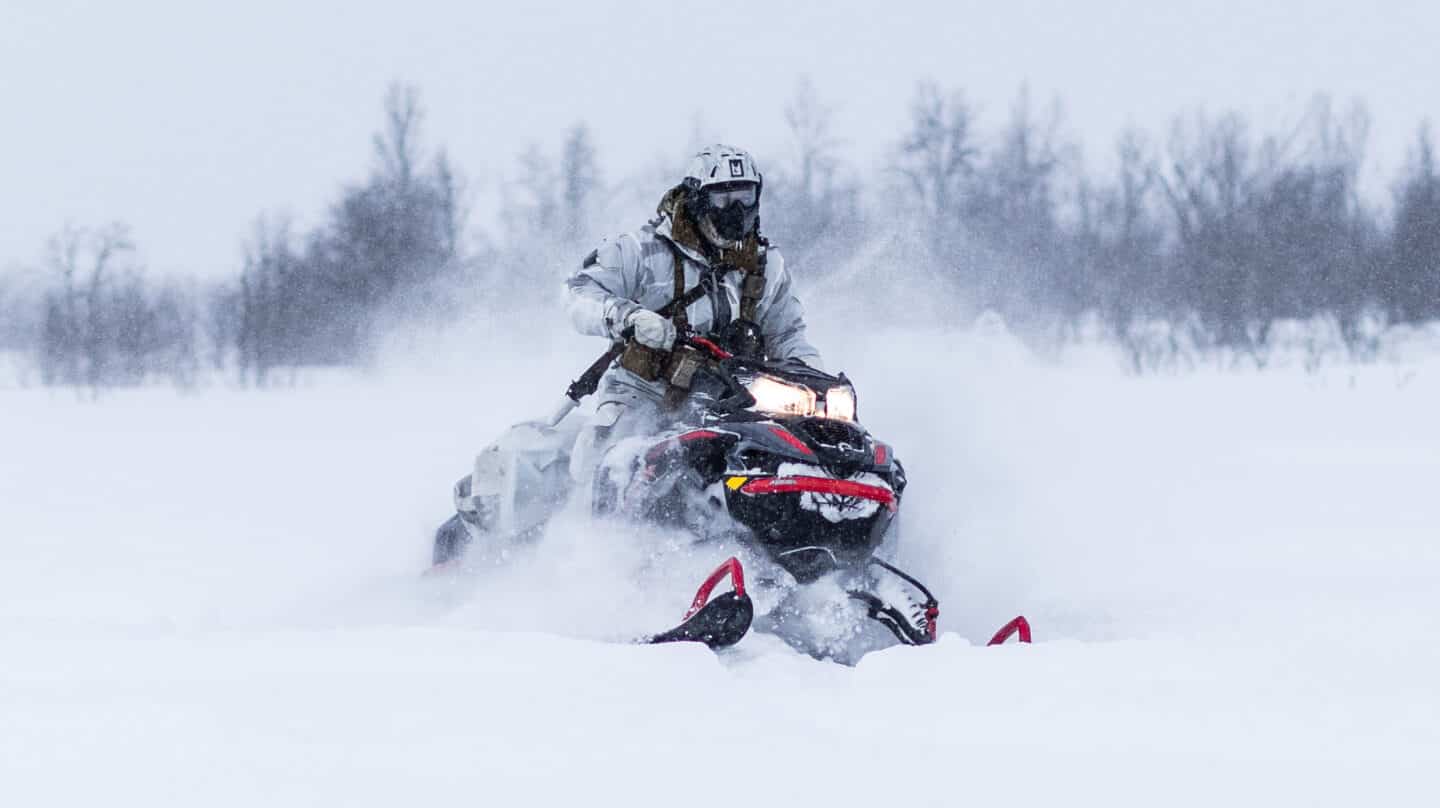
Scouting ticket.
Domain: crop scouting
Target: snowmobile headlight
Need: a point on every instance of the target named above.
(773, 395)
(840, 403)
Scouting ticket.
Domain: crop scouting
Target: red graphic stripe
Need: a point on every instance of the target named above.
(784, 434)
(820, 485)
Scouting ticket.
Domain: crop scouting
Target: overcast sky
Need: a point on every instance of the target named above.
(186, 119)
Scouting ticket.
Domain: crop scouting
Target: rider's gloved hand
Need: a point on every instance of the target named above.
(651, 330)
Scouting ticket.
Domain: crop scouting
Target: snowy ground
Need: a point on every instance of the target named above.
(214, 600)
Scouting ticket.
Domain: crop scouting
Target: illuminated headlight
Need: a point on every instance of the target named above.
(840, 403)
(773, 395)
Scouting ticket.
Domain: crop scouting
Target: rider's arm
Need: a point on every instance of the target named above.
(783, 320)
(602, 291)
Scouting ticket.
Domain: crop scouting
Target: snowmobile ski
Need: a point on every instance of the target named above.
(919, 626)
(718, 623)
(1019, 626)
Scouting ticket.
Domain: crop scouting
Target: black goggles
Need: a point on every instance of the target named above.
(721, 198)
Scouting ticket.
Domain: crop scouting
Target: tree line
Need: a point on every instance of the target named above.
(1215, 231)
(1208, 236)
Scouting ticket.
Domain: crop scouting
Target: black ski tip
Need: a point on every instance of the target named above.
(719, 624)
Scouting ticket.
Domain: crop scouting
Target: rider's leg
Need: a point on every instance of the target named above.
(623, 412)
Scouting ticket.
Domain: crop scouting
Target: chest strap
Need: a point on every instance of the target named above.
(748, 259)
(681, 317)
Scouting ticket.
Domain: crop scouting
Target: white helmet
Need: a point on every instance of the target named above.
(725, 194)
(719, 164)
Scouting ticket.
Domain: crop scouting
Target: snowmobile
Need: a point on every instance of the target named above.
(766, 457)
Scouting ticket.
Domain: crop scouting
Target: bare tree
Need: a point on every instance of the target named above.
(223, 313)
(397, 145)
(1118, 238)
(271, 328)
(110, 245)
(579, 184)
(454, 207)
(1210, 184)
(814, 203)
(76, 344)
(62, 334)
(937, 155)
(1411, 282)
(1016, 188)
(105, 324)
(532, 200)
(1012, 209)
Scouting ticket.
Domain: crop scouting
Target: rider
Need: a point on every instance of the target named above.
(707, 233)
(705, 237)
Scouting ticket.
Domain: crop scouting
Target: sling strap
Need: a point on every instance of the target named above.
(681, 317)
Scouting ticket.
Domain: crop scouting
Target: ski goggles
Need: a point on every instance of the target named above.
(747, 194)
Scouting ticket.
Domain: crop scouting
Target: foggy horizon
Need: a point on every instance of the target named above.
(189, 130)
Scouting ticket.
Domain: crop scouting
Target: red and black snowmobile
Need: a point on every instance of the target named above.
(770, 459)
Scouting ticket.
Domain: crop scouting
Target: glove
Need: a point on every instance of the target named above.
(651, 330)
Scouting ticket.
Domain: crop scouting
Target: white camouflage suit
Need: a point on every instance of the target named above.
(636, 270)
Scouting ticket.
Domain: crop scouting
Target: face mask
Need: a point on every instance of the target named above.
(735, 221)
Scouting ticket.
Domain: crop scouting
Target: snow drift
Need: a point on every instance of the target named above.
(215, 599)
